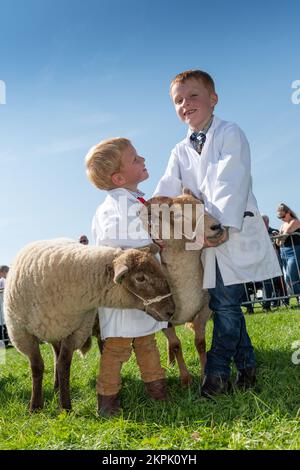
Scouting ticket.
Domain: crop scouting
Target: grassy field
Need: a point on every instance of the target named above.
(267, 418)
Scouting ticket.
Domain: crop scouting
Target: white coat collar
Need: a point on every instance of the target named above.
(131, 196)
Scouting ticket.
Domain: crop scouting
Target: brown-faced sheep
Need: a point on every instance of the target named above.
(52, 293)
(183, 267)
(167, 221)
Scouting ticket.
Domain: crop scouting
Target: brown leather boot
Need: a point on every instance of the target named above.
(157, 389)
(108, 405)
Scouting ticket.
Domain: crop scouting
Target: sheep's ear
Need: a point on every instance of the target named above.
(120, 272)
(187, 192)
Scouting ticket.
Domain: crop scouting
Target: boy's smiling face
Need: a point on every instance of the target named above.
(132, 171)
(194, 103)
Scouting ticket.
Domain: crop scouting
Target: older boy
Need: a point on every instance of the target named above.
(213, 161)
(114, 165)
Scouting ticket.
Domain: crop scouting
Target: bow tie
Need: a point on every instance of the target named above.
(198, 140)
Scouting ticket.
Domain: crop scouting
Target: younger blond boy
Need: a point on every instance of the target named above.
(114, 165)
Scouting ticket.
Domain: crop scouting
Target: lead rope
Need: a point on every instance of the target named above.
(148, 302)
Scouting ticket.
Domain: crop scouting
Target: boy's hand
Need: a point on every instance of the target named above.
(214, 243)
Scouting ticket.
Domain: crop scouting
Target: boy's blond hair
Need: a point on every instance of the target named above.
(103, 160)
(199, 75)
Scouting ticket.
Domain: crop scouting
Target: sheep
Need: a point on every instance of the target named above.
(184, 272)
(52, 293)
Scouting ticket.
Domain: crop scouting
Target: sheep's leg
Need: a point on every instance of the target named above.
(63, 372)
(97, 334)
(200, 343)
(79, 339)
(37, 371)
(29, 345)
(56, 350)
(99, 341)
(100, 345)
(175, 351)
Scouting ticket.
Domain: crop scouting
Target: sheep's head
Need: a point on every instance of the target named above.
(180, 218)
(140, 273)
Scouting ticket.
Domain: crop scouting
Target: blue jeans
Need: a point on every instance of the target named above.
(230, 337)
(290, 268)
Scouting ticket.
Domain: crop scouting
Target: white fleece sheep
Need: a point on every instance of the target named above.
(52, 292)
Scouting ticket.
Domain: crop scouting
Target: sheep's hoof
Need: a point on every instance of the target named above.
(67, 409)
(33, 408)
(186, 380)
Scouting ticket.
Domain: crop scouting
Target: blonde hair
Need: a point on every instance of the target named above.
(103, 160)
(198, 75)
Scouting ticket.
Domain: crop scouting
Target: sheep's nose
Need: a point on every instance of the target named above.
(216, 227)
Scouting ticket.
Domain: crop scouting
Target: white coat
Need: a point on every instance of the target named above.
(117, 224)
(221, 176)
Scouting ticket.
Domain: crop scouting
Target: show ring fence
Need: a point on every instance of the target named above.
(277, 291)
(271, 292)
(3, 337)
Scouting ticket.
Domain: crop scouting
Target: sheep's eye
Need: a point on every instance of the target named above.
(140, 277)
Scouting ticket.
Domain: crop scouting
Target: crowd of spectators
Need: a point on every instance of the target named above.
(286, 241)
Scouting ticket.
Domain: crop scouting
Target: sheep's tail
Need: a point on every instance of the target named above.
(86, 347)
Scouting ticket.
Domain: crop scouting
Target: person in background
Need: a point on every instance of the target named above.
(271, 231)
(290, 247)
(83, 239)
(278, 282)
(3, 273)
(267, 285)
(3, 330)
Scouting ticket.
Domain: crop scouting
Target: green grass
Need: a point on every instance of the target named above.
(268, 418)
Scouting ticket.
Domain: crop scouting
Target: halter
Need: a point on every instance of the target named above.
(147, 302)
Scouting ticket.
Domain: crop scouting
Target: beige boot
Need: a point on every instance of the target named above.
(108, 405)
(157, 389)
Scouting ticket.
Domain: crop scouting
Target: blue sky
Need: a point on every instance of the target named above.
(78, 72)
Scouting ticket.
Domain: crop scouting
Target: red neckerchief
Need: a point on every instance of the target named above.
(142, 200)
